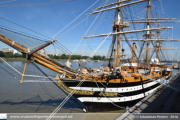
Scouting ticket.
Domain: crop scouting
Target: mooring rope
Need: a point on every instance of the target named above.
(21, 73)
(162, 83)
(64, 101)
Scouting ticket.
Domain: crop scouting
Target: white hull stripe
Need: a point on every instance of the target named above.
(115, 99)
(129, 64)
(118, 89)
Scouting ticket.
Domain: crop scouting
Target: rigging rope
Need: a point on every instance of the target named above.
(55, 83)
(101, 83)
(108, 98)
(84, 35)
(42, 77)
(27, 41)
(162, 6)
(8, 1)
(37, 4)
(21, 73)
(64, 47)
(63, 102)
(151, 44)
(45, 90)
(97, 47)
(162, 83)
(88, 29)
(75, 19)
(31, 75)
(72, 28)
(24, 27)
(8, 72)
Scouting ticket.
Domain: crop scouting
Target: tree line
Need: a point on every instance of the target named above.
(11, 55)
(63, 56)
(78, 57)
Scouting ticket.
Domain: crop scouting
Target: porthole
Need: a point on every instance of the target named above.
(98, 98)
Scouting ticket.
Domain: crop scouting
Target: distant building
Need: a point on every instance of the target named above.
(10, 50)
(6, 49)
(14, 51)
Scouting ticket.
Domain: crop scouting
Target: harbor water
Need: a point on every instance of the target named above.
(36, 94)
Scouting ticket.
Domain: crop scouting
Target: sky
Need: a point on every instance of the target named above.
(50, 19)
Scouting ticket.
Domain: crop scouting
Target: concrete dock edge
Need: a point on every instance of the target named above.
(160, 101)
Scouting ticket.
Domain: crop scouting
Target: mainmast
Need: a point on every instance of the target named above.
(158, 44)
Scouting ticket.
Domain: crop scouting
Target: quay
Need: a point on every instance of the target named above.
(163, 100)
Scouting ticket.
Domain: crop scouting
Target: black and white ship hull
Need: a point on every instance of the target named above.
(128, 94)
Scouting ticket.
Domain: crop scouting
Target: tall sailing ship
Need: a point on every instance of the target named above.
(122, 82)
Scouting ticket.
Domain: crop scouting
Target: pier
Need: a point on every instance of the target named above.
(163, 100)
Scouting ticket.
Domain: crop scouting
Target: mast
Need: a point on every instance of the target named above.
(119, 25)
(134, 51)
(119, 36)
(158, 43)
(148, 32)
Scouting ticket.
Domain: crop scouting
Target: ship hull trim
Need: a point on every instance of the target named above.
(127, 96)
(118, 89)
(97, 104)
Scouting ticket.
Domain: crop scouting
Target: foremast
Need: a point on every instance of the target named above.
(118, 27)
(148, 32)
